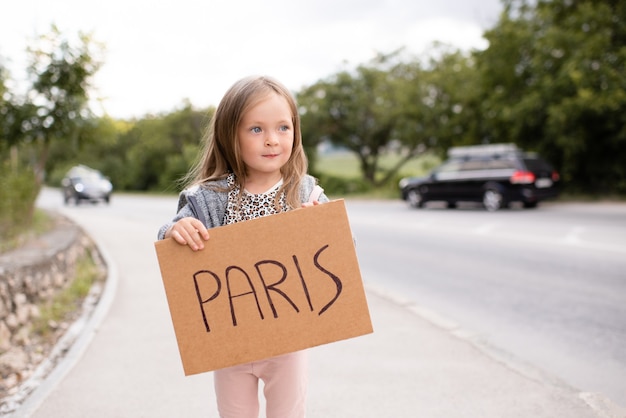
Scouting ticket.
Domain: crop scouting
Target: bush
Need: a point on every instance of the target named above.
(18, 192)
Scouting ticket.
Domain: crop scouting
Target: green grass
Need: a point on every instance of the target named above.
(68, 300)
(338, 164)
(346, 165)
(42, 222)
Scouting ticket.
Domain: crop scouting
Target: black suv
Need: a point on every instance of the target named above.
(494, 174)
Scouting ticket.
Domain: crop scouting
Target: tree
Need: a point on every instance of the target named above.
(162, 148)
(353, 111)
(554, 80)
(18, 189)
(389, 104)
(8, 114)
(437, 105)
(364, 111)
(3, 102)
(62, 72)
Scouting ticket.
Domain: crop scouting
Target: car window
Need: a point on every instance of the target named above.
(498, 164)
(537, 164)
(471, 165)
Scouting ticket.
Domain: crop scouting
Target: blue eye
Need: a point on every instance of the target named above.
(284, 128)
(256, 130)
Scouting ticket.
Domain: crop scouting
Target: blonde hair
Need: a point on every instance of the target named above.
(221, 154)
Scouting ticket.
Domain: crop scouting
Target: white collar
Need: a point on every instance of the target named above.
(270, 190)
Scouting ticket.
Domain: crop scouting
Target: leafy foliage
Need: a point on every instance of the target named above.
(150, 154)
(62, 73)
(18, 192)
(392, 106)
(554, 80)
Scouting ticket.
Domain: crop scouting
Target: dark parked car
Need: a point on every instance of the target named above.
(84, 183)
(495, 175)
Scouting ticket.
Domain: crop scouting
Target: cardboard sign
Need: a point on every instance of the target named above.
(265, 287)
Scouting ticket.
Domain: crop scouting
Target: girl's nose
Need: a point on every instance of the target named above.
(270, 139)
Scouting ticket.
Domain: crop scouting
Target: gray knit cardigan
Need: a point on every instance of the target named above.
(209, 206)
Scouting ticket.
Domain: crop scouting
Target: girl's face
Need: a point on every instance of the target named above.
(266, 137)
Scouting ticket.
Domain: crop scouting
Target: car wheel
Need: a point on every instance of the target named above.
(492, 200)
(452, 205)
(530, 205)
(414, 197)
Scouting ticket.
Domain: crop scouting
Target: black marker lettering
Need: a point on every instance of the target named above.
(336, 279)
(213, 296)
(273, 287)
(304, 286)
(231, 296)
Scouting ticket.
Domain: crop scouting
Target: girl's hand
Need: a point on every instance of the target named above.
(309, 204)
(189, 231)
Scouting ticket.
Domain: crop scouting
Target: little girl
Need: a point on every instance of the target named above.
(253, 165)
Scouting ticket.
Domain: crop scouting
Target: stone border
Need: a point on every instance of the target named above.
(30, 276)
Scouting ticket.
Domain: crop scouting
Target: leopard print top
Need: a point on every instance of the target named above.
(252, 205)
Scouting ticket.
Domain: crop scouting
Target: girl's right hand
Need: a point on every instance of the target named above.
(189, 231)
(309, 204)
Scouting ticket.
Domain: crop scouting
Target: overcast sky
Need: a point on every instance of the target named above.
(160, 52)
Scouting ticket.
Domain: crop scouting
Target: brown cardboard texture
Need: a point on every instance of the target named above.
(265, 287)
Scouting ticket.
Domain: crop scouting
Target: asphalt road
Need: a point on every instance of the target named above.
(547, 286)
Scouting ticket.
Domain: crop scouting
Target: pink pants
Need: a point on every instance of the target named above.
(285, 379)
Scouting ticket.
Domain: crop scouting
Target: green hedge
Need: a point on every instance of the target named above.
(18, 192)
